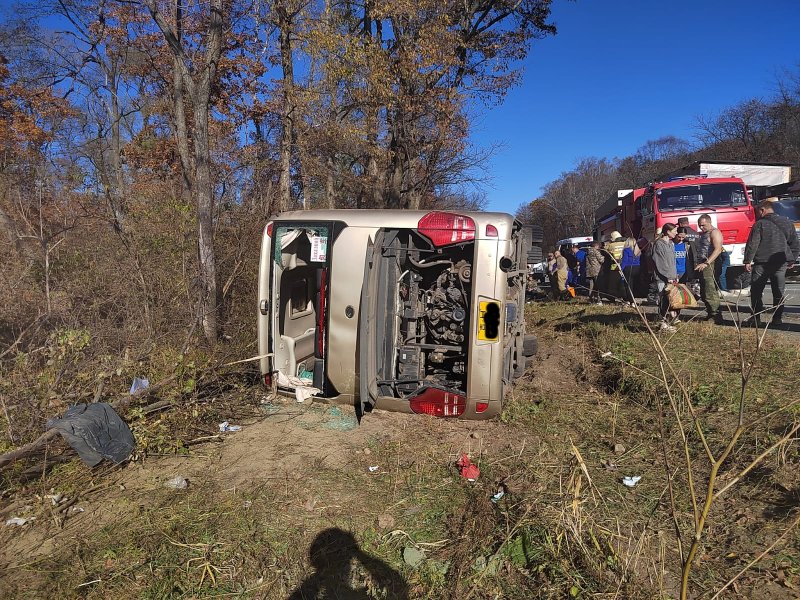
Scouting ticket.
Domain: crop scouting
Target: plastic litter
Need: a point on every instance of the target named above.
(373, 469)
(631, 481)
(96, 432)
(498, 495)
(225, 427)
(468, 471)
(139, 383)
(412, 556)
(55, 498)
(19, 521)
(177, 483)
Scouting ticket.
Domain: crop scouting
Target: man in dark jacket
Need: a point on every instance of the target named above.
(772, 245)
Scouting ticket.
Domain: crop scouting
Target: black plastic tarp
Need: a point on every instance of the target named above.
(96, 432)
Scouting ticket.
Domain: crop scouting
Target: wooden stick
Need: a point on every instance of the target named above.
(28, 449)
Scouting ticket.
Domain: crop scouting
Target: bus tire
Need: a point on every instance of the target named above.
(519, 366)
(530, 345)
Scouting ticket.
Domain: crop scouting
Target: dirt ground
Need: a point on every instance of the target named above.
(287, 446)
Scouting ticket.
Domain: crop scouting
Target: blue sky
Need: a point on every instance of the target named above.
(621, 72)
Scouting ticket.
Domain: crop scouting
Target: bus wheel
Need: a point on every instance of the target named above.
(519, 367)
(530, 345)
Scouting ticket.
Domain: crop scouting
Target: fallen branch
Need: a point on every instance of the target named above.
(204, 439)
(156, 407)
(120, 405)
(28, 449)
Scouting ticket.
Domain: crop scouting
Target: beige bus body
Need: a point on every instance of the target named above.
(364, 304)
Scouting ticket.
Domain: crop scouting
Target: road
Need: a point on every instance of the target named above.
(791, 311)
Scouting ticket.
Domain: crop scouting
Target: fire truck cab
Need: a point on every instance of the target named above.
(725, 200)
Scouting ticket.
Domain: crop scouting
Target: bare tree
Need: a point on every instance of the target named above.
(194, 76)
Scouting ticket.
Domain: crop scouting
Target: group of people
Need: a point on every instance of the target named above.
(621, 269)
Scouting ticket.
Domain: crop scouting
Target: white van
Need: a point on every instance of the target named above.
(582, 241)
(416, 311)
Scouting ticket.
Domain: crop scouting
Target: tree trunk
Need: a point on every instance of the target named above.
(287, 116)
(204, 193)
(330, 192)
(117, 198)
(179, 108)
(394, 171)
(376, 178)
(195, 77)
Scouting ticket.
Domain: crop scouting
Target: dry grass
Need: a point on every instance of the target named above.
(566, 526)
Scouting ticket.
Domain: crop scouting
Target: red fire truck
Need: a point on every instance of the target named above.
(722, 190)
(725, 200)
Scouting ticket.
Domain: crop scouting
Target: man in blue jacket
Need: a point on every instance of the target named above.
(771, 247)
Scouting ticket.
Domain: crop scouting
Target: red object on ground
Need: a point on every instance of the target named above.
(469, 471)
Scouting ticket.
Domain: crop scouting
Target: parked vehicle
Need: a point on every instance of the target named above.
(725, 200)
(789, 207)
(724, 190)
(413, 311)
(756, 176)
(582, 241)
(539, 271)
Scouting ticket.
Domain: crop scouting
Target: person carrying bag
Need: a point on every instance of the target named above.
(680, 296)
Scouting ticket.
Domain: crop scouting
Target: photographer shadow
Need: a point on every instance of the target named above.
(333, 554)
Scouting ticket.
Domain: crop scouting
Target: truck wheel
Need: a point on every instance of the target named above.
(530, 345)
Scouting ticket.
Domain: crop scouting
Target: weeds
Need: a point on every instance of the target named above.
(566, 526)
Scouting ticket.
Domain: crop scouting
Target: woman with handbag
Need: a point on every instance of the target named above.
(666, 273)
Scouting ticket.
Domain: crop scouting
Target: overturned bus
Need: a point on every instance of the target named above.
(414, 311)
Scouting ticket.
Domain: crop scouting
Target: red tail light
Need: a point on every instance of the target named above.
(438, 403)
(269, 229)
(323, 298)
(481, 407)
(268, 380)
(491, 231)
(444, 228)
